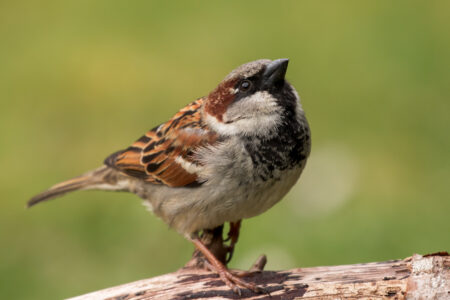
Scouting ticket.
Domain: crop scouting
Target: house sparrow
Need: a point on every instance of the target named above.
(225, 157)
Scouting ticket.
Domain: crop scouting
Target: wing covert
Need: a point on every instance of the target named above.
(165, 154)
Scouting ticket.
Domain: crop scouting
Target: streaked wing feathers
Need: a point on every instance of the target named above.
(164, 155)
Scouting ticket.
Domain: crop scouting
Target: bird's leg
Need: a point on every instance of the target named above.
(213, 240)
(232, 281)
(233, 236)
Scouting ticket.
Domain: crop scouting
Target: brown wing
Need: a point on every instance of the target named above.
(164, 155)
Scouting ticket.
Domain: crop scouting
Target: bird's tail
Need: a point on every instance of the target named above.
(104, 178)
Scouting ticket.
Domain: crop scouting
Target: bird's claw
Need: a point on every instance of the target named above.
(234, 282)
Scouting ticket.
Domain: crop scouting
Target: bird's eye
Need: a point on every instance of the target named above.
(245, 85)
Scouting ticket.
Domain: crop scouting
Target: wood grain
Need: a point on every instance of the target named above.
(416, 277)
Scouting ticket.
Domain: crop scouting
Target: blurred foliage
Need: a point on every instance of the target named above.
(82, 79)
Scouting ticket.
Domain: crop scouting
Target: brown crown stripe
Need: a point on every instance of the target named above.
(220, 98)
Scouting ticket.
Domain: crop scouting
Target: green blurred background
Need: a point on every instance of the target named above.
(82, 79)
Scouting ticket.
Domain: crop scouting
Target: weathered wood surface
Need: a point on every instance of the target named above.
(416, 277)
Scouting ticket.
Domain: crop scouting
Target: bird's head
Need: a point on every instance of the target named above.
(252, 100)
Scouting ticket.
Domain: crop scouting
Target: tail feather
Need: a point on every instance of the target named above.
(104, 177)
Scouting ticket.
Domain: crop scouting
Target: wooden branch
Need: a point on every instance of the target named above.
(416, 277)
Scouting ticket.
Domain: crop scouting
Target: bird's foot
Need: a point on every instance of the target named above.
(257, 267)
(234, 281)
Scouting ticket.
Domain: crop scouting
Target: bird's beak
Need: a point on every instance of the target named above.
(275, 72)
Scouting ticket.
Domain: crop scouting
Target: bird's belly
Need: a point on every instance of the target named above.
(261, 196)
(188, 210)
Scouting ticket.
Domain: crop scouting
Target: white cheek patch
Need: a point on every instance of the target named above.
(262, 125)
(258, 102)
(257, 114)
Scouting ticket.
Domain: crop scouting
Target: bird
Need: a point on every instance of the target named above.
(225, 157)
